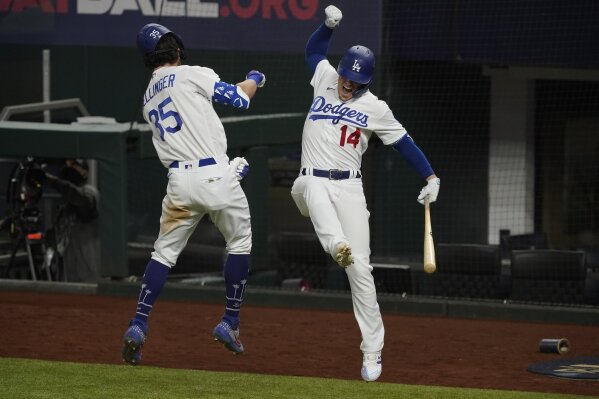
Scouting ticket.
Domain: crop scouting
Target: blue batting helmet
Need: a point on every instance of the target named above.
(149, 36)
(357, 65)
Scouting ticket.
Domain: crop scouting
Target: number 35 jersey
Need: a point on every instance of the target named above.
(178, 106)
(336, 133)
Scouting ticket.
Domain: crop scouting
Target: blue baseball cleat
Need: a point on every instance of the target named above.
(133, 340)
(224, 334)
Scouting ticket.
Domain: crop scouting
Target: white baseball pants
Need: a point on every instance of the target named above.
(193, 192)
(338, 212)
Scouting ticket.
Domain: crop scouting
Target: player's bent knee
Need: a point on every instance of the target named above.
(301, 204)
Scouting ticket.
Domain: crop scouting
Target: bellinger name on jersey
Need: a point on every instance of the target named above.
(339, 112)
(164, 82)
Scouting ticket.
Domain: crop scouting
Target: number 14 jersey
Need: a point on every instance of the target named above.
(336, 133)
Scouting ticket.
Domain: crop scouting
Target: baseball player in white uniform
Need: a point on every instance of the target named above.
(190, 141)
(343, 116)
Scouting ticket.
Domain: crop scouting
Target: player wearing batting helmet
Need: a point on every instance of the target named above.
(343, 116)
(190, 142)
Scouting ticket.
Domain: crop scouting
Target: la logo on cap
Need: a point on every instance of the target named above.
(356, 67)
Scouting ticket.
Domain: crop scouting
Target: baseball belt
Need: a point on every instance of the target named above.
(201, 162)
(331, 174)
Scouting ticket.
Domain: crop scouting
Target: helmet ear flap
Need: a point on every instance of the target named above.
(362, 90)
(357, 65)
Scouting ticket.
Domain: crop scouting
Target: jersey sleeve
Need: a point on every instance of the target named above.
(325, 74)
(386, 127)
(203, 79)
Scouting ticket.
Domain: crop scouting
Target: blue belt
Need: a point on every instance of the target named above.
(201, 162)
(331, 174)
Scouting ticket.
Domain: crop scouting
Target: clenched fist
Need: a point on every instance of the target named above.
(334, 16)
(257, 77)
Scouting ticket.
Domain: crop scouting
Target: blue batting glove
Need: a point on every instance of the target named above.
(257, 77)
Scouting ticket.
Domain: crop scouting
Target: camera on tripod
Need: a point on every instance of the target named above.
(25, 189)
(24, 192)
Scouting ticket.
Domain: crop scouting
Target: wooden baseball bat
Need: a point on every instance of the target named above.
(430, 264)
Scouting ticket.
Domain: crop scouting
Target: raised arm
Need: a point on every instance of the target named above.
(318, 43)
(239, 95)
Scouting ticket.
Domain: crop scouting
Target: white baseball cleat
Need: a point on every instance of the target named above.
(343, 256)
(372, 366)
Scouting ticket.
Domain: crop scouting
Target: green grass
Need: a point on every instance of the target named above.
(32, 379)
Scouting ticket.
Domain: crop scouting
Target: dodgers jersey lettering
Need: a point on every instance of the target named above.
(335, 133)
(178, 107)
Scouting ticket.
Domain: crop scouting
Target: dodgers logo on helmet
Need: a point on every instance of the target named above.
(149, 36)
(357, 65)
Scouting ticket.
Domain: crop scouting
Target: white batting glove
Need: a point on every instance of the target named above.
(431, 190)
(334, 16)
(257, 77)
(241, 167)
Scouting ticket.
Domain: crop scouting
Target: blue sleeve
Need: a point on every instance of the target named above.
(228, 94)
(410, 151)
(318, 46)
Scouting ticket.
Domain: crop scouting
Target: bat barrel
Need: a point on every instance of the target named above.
(430, 264)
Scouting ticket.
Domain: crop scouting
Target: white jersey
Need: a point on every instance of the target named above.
(178, 106)
(336, 133)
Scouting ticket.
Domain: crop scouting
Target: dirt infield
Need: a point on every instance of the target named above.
(418, 350)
